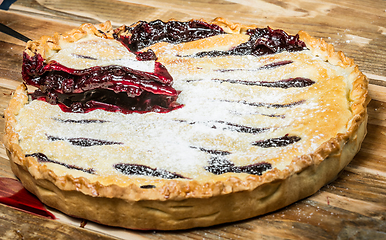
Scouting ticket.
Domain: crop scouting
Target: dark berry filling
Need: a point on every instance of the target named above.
(56, 83)
(84, 142)
(267, 66)
(148, 186)
(110, 101)
(136, 169)
(219, 165)
(229, 126)
(82, 121)
(262, 41)
(268, 105)
(144, 34)
(298, 82)
(277, 142)
(43, 158)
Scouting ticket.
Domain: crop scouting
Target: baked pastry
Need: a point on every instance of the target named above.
(176, 125)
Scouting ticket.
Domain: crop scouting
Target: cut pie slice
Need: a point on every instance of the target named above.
(176, 125)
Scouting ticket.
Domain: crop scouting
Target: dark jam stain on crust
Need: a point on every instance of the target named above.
(277, 142)
(43, 158)
(12, 193)
(262, 41)
(136, 169)
(84, 142)
(144, 34)
(298, 82)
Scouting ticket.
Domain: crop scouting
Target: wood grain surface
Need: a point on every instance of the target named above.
(351, 207)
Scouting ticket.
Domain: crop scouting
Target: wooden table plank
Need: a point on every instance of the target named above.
(352, 206)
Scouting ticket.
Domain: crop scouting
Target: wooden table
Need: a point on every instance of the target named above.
(353, 206)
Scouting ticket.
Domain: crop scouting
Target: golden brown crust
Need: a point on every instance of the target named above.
(180, 204)
(47, 45)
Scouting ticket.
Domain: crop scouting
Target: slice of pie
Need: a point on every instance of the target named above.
(176, 125)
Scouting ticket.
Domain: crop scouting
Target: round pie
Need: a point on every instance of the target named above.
(175, 125)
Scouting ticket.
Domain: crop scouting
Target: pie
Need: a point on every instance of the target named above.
(176, 125)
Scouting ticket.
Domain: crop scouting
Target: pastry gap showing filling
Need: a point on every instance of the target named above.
(265, 67)
(268, 105)
(84, 142)
(142, 170)
(298, 82)
(277, 142)
(218, 164)
(229, 126)
(43, 158)
(82, 121)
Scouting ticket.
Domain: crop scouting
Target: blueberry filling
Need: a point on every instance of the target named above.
(43, 158)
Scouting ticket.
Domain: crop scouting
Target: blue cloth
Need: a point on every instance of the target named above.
(6, 4)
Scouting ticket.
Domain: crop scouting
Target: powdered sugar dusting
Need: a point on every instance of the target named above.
(217, 115)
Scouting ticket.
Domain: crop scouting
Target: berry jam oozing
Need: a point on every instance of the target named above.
(110, 101)
(136, 169)
(277, 142)
(262, 41)
(43, 158)
(56, 82)
(144, 34)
